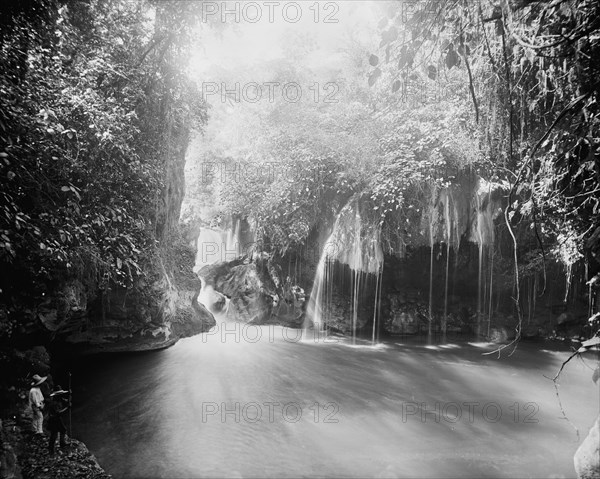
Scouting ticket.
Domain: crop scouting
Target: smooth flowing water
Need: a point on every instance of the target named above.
(347, 245)
(249, 401)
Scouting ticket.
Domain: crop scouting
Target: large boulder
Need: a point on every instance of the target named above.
(250, 290)
(255, 291)
(587, 456)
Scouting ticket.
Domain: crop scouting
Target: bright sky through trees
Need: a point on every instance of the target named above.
(243, 43)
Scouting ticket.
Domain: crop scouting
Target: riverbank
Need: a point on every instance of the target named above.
(26, 456)
(22, 455)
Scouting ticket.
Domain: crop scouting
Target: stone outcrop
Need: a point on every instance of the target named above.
(250, 291)
(25, 456)
(153, 314)
(161, 313)
(587, 456)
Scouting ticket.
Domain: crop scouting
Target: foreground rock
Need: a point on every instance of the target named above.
(587, 456)
(26, 456)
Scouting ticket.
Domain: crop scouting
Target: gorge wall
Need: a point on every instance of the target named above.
(159, 309)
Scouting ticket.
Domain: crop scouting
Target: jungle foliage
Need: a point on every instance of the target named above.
(90, 93)
(505, 90)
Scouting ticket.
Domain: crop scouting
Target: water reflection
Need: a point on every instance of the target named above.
(222, 406)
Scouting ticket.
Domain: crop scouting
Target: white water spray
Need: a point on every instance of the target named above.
(348, 244)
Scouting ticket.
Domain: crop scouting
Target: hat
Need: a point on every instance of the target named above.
(37, 380)
(57, 391)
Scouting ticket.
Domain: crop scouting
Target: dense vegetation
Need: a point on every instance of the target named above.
(507, 91)
(94, 100)
(531, 71)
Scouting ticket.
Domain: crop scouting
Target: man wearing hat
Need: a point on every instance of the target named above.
(36, 402)
(57, 405)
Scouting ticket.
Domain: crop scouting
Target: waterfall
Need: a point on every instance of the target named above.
(433, 221)
(314, 309)
(431, 244)
(452, 214)
(480, 266)
(215, 302)
(215, 245)
(356, 267)
(210, 248)
(377, 306)
(448, 233)
(568, 279)
(233, 246)
(492, 288)
(448, 229)
(354, 243)
(482, 233)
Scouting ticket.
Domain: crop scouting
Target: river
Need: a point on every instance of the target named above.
(256, 402)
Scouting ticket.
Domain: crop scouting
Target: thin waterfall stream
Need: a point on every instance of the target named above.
(362, 254)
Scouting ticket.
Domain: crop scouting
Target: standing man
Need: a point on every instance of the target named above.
(36, 402)
(57, 405)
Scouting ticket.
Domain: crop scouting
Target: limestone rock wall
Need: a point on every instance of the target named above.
(158, 310)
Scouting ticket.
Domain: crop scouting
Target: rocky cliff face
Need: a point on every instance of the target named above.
(154, 314)
(158, 310)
